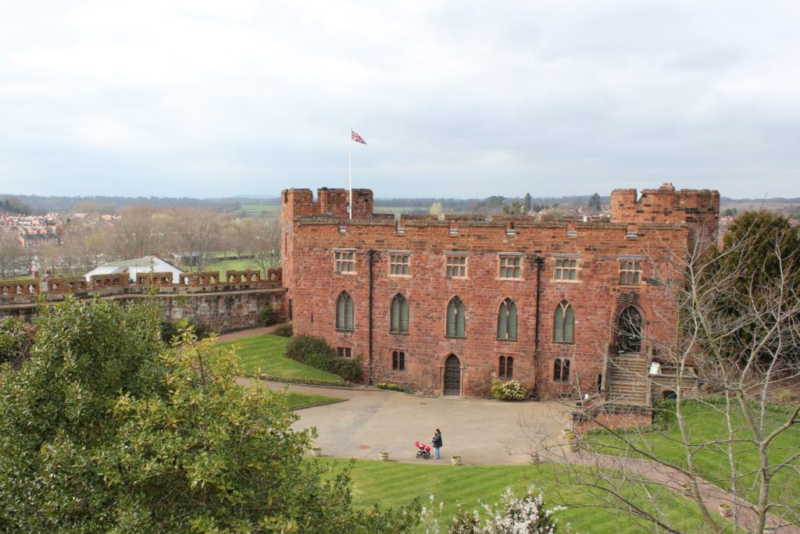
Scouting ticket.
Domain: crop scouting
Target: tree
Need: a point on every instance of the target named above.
(759, 248)
(12, 255)
(104, 429)
(730, 444)
(594, 203)
(528, 203)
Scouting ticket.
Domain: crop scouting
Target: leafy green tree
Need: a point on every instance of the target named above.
(104, 429)
(594, 203)
(528, 203)
(759, 249)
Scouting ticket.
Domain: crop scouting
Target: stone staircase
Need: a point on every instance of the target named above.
(626, 380)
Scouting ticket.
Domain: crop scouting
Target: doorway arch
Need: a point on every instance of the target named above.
(629, 330)
(452, 376)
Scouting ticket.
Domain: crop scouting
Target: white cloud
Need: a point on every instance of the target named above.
(456, 98)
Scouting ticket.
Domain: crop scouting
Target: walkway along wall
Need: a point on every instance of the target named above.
(221, 306)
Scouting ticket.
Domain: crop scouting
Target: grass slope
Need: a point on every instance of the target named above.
(299, 401)
(395, 484)
(706, 423)
(266, 354)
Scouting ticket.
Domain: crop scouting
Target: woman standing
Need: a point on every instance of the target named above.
(437, 443)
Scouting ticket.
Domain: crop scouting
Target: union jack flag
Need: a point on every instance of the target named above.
(357, 138)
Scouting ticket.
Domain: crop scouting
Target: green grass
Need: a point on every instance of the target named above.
(705, 423)
(266, 354)
(395, 484)
(298, 401)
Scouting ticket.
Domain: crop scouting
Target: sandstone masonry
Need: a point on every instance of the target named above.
(596, 270)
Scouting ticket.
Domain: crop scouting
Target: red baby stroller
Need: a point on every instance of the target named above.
(423, 451)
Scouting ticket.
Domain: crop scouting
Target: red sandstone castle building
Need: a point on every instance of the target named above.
(446, 305)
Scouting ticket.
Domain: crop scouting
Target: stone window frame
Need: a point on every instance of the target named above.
(345, 316)
(340, 260)
(561, 369)
(344, 352)
(511, 322)
(398, 360)
(630, 270)
(392, 263)
(399, 324)
(459, 323)
(461, 265)
(576, 269)
(564, 323)
(519, 267)
(505, 367)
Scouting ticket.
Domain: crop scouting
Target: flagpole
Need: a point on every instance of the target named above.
(350, 176)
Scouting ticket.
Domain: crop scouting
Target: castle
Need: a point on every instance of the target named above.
(444, 305)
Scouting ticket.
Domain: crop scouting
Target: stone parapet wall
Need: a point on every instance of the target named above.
(237, 308)
(57, 288)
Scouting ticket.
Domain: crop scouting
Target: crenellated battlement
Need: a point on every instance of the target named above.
(56, 288)
(330, 201)
(697, 208)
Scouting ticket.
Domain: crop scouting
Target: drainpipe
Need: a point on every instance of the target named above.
(539, 264)
(370, 257)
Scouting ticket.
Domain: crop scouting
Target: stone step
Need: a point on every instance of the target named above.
(617, 385)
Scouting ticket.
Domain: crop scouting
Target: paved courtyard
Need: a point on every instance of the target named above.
(481, 431)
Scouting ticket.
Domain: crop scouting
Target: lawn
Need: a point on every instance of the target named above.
(298, 401)
(706, 423)
(265, 354)
(394, 484)
(229, 265)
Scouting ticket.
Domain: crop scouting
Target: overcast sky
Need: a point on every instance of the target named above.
(460, 99)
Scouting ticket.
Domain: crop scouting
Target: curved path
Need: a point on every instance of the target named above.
(483, 432)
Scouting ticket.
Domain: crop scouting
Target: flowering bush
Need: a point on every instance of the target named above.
(512, 515)
(508, 391)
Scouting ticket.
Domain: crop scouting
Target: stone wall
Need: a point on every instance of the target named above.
(222, 306)
(698, 208)
(597, 297)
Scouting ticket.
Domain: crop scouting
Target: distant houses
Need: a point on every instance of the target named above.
(146, 264)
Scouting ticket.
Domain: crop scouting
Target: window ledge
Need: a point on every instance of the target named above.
(344, 331)
(507, 340)
(398, 333)
(561, 281)
(455, 337)
(510, 279)
(564, 342)
(348, 273)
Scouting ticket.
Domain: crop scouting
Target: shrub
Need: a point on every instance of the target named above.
(512, 515)
(350, 370)
(511, 390)
(268, 316)
(284, 330)
(314, 351)
(301, 346)
(16, 339)
(393, 387)
(170, 329)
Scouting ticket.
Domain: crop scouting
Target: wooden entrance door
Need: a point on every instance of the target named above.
(452, 376)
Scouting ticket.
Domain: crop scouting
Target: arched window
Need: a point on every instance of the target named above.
(506, 367)
(344, 312)
(455, 318)
(561, 370)
(507, 320)
(629, 330)
(564, 323)
(398, 315)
